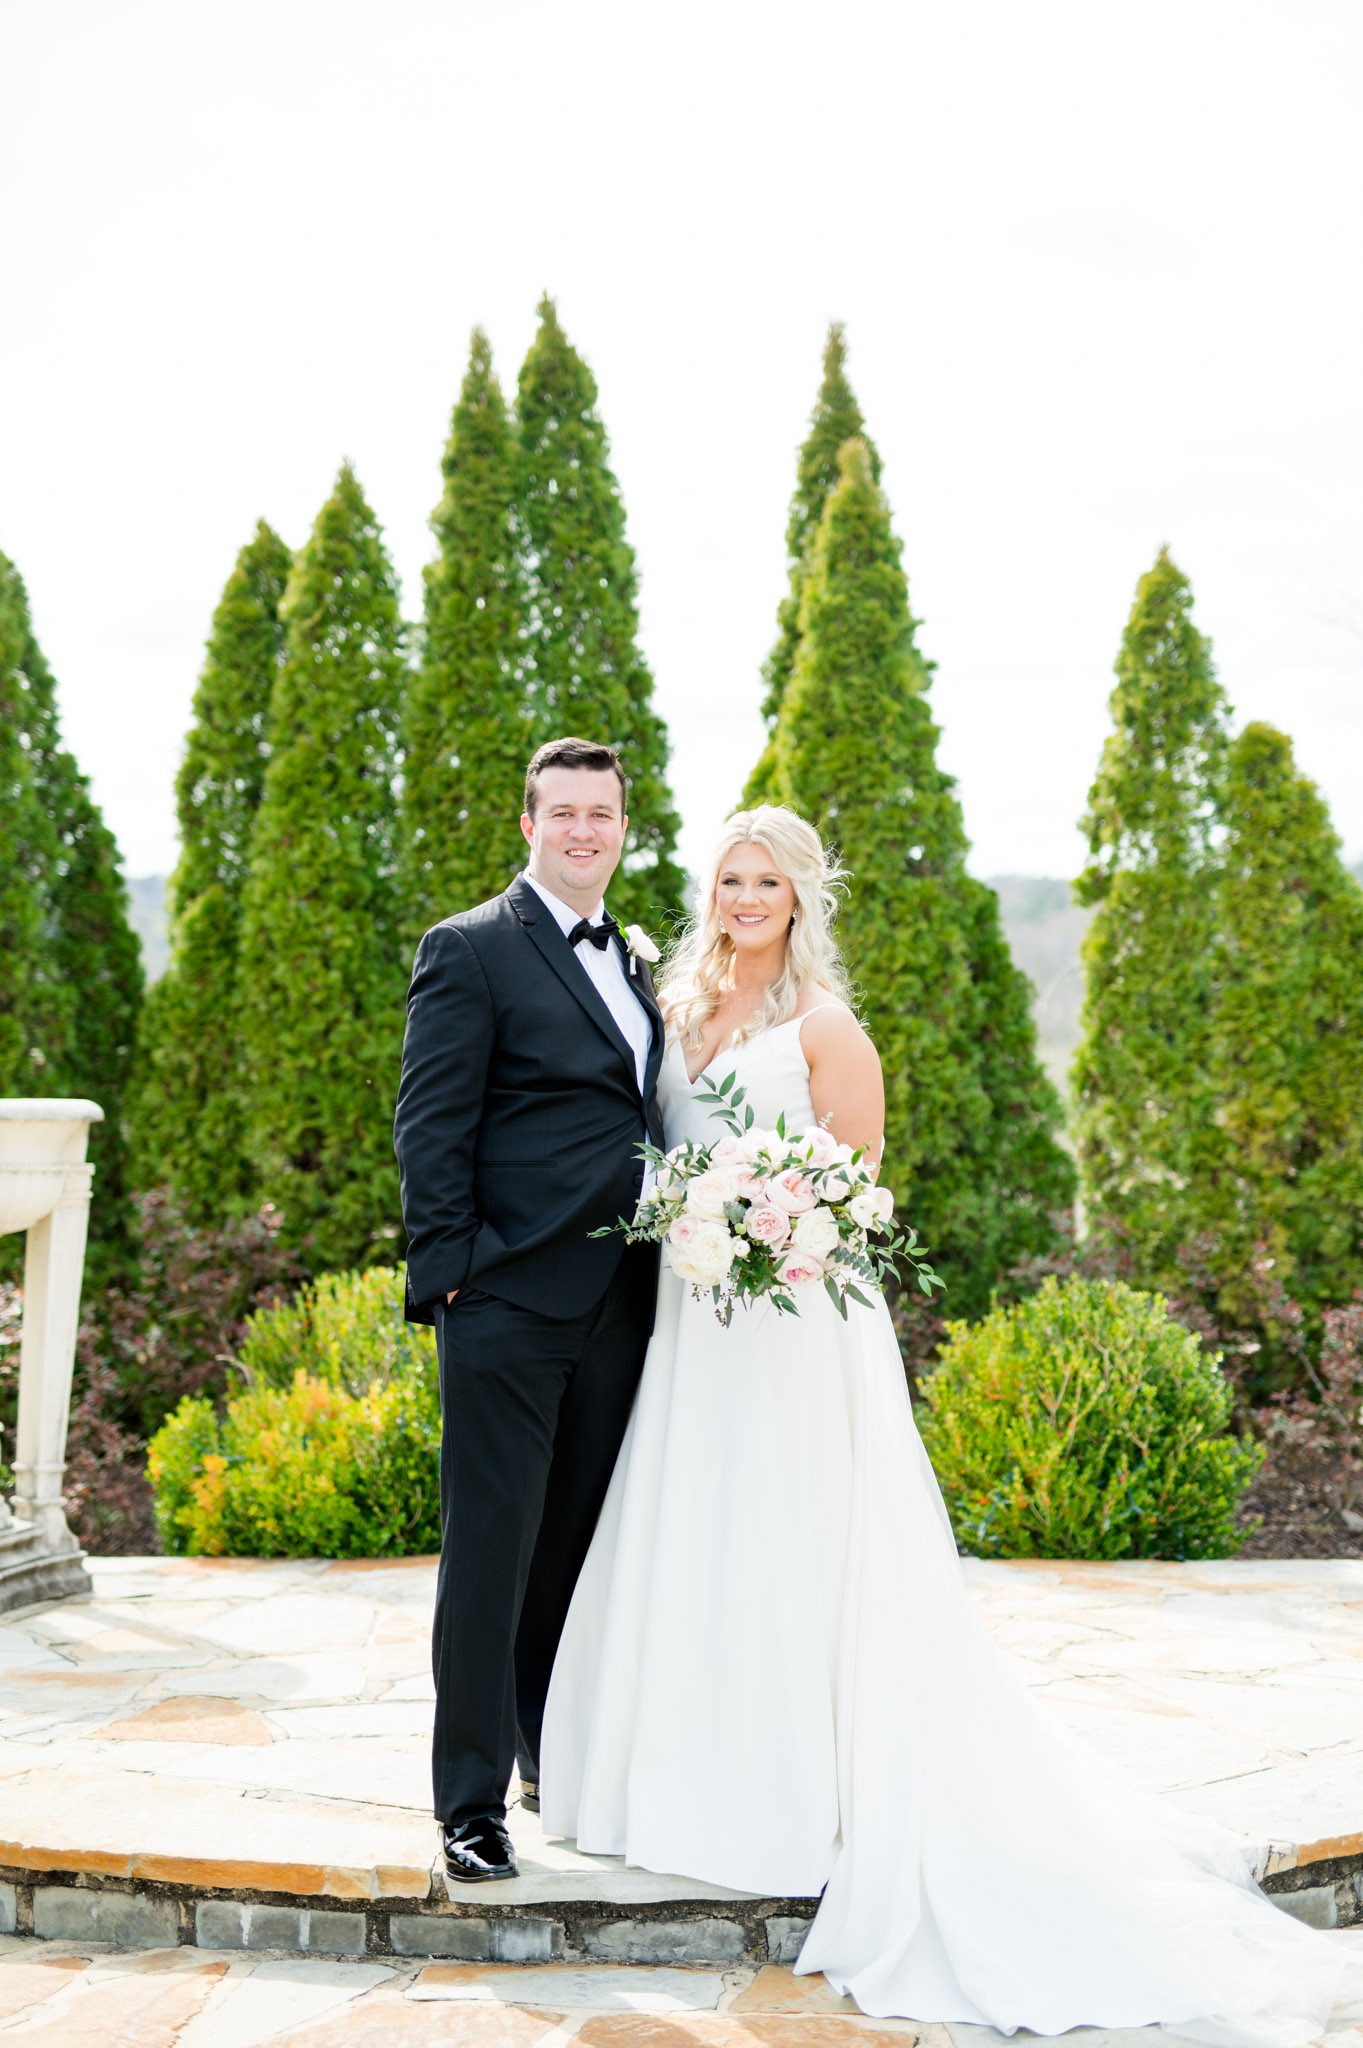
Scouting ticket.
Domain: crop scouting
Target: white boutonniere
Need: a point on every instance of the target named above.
(641, 947)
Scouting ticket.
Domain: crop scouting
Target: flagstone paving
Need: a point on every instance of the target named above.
(61, 1995)
(240, 1721)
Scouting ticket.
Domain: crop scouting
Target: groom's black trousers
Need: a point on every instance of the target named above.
(533, 1411)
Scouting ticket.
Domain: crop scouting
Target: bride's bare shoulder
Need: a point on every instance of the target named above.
(828, 1026)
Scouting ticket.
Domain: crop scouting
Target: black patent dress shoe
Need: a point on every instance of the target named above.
(530, 1797)
(478, 1850)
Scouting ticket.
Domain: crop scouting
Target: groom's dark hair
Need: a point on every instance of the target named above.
(572, 753)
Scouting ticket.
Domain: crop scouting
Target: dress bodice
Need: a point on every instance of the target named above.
(771, 1066)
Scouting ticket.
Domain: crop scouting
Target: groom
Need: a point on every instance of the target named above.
(529, 1078)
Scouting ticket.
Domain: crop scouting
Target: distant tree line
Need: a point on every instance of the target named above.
(348, 779)
(70, 969)
(972, 1120)
(1218, 1088)
(1219, 1082)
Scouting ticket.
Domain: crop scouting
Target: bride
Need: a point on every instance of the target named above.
(771, 1678)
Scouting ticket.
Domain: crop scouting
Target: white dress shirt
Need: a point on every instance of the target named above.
(604, 966)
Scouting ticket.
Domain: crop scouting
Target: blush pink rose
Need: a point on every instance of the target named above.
(749, 1185)
(728, 1147)
(768, 1226)
(791, 1191)
(684, 1232)
(836, 1183)
(819, 1146)
(799, 1269)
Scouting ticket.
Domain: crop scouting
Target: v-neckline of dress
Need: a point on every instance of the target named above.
(701, 1072)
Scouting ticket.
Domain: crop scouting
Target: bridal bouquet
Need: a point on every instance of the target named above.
(769, 1213)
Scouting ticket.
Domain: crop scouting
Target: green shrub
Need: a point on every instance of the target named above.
(347, 1328)
(332, 1449)
(1084, 1422)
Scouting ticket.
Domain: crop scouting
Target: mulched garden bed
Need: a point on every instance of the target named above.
(1306, 1506)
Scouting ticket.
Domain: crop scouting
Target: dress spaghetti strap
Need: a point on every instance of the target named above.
(831, 1004)
(799, 1022)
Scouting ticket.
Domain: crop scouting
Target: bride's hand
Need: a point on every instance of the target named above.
(845, 1081)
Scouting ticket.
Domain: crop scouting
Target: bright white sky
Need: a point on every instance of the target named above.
(1099, 265)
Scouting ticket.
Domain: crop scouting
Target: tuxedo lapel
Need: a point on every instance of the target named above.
(544, 930)
(641, 981)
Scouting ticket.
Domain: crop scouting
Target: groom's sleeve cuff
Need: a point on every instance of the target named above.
(431, 1276)
(420, 1305)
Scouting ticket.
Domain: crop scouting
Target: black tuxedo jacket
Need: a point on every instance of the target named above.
(519, 1114)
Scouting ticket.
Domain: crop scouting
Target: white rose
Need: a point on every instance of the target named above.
(816, 1232)
(705, 1256)
(642, 944)
(709, 1191)
(863, 1210)
(759, 1146)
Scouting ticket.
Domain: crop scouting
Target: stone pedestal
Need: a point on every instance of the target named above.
(45, 1191)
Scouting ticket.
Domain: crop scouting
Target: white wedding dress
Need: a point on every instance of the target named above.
(771, 1679)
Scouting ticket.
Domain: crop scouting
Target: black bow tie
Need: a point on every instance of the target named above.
(598, 935)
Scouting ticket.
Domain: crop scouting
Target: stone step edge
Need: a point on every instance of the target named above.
(1277, 1865)
(87, 1906)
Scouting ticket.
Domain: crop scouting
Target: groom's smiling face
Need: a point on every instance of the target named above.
(576, 833)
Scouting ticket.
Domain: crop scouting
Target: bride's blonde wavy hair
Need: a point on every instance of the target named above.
(698, 971)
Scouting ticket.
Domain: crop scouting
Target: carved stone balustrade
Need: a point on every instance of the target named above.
(45, 1191)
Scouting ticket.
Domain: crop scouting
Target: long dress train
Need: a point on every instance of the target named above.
(772, 1679)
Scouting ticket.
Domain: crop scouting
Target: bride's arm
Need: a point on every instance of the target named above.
(845, 1083)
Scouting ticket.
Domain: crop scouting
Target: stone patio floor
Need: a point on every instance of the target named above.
(61, 1995)
(241, 1722)
(257, 1724)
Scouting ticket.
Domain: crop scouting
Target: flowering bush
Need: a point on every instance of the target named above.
(767, 1213)
(331, 1450)
(304, 1471)
(143, 1344)
(11, 1319)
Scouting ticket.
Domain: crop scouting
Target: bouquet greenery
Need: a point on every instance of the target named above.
(767, 1213)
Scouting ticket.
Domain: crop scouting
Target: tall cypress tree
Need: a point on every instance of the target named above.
(1141, 1079)
(91, 976)
(467, 731)
(586, 673)
(34, 1021)
(322, 978)
(970, 1115)
(189, 1125)
(836, 420)
(1281, 1162)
